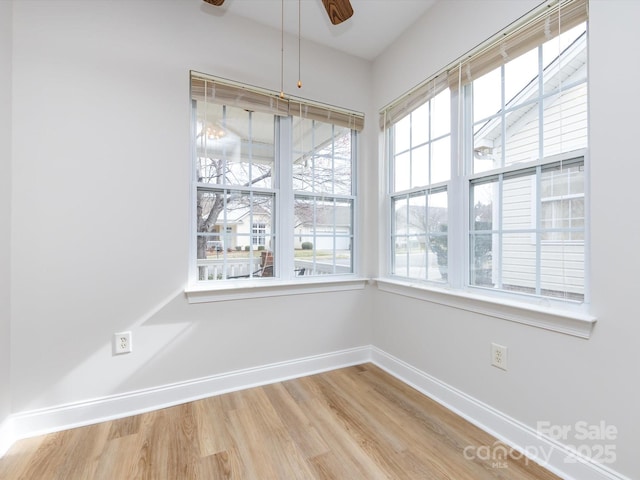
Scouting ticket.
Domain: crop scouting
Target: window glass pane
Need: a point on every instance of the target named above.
(521, 79)
(438, 237)
(481, 268)
(234, 146)
(483, 198)
(562, 270)
(523, 138)
(576, 211)
(420, 125)
(400, 209)
(562, 199)
(235, 227)
(519, 263)
(342, 176)
(565, 121)
(487, 95)
(253, 162)
(323, 236)
(487, 145)
(563, 178)
(565, 59)
(402, 135)
(441, 114)
(210, 142)
(420, 166)
(402, 172)
(417, 256)
(400, 239)
(417, 215)
(342, 161)
(321, 157)
(319, 257)
(518, 203)
(441, 160)
(248, 210)
(400, 265)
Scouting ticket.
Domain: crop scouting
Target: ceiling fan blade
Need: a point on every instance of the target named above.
(217, 3)
(338, 10)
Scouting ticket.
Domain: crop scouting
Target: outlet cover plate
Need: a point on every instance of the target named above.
(122, 343)
(499, 356)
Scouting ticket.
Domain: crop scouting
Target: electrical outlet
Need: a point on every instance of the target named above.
(499, 356)
(121, 343)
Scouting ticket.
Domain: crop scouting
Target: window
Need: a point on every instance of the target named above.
(495, 148)
(259, 231)
(323, 197)
(421, 168)
(273, 185)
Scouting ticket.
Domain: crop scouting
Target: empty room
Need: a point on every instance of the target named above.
(305, 239)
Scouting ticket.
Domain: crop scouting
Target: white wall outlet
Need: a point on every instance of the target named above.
(121, 343)
(499, 356)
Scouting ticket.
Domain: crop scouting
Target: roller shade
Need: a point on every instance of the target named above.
(229, 93)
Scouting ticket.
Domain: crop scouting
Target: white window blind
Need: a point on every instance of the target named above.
(256, 99)
(554, 18)
(413, 99)
(550, 20)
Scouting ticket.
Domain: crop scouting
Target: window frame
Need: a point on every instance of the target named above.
(566, 316)
(198, 291)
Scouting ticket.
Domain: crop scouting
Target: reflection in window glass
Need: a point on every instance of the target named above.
(420, 236)
(514, 212)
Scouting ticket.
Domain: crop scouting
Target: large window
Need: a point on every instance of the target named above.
(511, 180)
(273, 185)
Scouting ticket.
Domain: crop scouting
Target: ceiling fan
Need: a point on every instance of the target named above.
(338, 10)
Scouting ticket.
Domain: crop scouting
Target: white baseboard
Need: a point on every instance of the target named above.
(522, 438)
(7, 435)
(549, 453)
(48, 420)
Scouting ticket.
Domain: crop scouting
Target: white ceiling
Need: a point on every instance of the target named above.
(374, 25)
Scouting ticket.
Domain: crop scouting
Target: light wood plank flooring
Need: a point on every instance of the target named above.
(353, 423)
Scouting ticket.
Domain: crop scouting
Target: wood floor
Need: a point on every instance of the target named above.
(353, 423)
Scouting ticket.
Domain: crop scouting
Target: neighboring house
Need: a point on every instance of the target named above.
(319, 225)
(322, 226)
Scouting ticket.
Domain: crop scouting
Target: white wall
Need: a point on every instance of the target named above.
(5, 207)
(101, 203)
(551, 377)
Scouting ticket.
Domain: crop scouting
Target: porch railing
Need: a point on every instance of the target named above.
(213, 269)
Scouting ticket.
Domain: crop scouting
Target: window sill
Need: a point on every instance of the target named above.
(270, 288)
(567, 321)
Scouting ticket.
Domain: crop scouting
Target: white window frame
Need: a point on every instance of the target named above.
(286, 281)
(568, 317)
